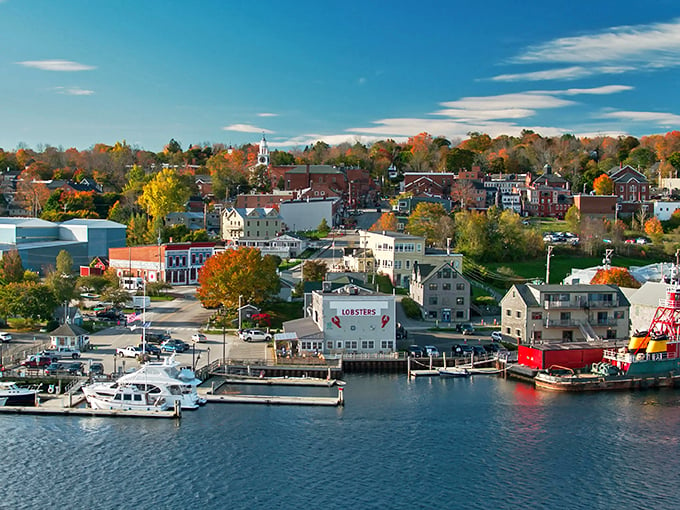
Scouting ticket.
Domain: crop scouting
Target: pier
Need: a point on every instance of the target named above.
(211, 397)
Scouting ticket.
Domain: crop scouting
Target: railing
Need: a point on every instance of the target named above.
(606, 322)
(566, 323)
(588, 331)
(602, 304)
(551, 305)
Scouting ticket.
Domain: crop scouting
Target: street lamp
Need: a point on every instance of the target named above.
(224, 343)
(193, 356)
(240, 297)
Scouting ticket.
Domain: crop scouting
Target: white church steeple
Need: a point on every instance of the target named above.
(263, 155)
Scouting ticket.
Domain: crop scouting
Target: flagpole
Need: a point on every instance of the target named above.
(144, 319)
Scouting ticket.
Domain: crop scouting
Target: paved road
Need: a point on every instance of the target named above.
(182, 316)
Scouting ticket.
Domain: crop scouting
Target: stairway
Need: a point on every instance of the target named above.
(588, 331)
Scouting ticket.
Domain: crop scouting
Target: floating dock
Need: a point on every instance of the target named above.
(279, 400)
(87, 411)
(281, 381)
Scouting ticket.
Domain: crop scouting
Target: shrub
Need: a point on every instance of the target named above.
(411, 308)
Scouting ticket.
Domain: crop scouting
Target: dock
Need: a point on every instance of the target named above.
(281, 381)
(89, 412)
(70, 405)
(280, 400)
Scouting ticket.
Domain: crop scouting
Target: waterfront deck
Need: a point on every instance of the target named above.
(276, 400)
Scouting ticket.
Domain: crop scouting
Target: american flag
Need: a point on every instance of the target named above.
(131, 318)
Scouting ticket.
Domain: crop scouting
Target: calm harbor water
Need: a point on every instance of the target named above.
(447, 443)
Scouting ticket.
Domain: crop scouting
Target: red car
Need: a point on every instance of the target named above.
(37, 361)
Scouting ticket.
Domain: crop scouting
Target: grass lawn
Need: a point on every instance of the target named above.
(282, 311)
(562, 263)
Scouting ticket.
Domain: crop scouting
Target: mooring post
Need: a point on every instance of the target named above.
(408, 367)
(430, 361)
(341, 395)
(444, 358)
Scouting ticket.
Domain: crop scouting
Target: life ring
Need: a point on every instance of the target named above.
(50, 388)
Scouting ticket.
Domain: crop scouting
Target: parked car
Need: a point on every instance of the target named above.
(466, 350)
(401, 332)
(37, 361)
(467, 328)
(156, 337)
(198, 337)
(130, 351)
(496, 336)
(5, 337)
(641, 240)
(152, 349)
(431, 350)
(111, 314)
(96, 369)
(254, 335)
(66, 368)
(456, 350)
(174, 345)
(479, 350)
(61, 353)
(416, 351)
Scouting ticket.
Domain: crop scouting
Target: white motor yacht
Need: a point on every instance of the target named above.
(112, 396)
(163, 379)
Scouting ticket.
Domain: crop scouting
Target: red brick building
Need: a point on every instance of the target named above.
(175, 263)
(630, 185)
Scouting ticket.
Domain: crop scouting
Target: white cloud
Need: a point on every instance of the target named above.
(266, 114)
(74, 91)
(56, 65)
(246, 128)
(606, 89)
(528, 100)
(504, 113)
(331, 139)
(661, 118)
(565, 73)
(655, 44)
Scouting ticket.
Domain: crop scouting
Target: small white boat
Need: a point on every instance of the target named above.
(106, 396)
(454, 372)
(16, 395)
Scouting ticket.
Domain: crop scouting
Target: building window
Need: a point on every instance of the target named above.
(460, 286)
(408, 264)
(519, 314)
(446, 286)
(507, 331)
(518, 333)
(536, 316)
(433, 286)
(397, 264)
(460, 301)
(350, 344)
(618, 314)
(387, 344)
(432, 314)
(508, 312)
(447, 273)
(193, 258)
(433, 300)
(460, 314)
(367, 344)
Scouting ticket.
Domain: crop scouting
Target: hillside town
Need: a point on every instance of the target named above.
(355, 258)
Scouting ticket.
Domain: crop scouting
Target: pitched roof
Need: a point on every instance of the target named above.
(69, 330)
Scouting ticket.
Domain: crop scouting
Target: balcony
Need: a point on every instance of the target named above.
(552, 305)
(557, 323)
(602, 304)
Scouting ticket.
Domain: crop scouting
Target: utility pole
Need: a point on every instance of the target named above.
(547, 265)
(240, 297)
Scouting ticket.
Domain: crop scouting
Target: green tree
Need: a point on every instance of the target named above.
(423, 221)
(314, 271)
(164, 194)
(233, 273)
(29, 300)
(116, 296)
(573, 219)
(11, 268)
(139, 230)
(61, 281)
(92, 283)
(323, 227)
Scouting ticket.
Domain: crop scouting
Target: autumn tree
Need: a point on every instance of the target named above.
(603, 185)
(423, 220)
(386, 223)
(11, 268)
(164, 194)
(61, 280)
(233, 273)
(615, 276)
(654, 230)
(314, 271)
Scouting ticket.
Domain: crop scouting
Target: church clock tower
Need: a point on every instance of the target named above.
(263, 155)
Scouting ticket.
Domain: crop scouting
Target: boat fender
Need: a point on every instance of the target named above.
(50, 388)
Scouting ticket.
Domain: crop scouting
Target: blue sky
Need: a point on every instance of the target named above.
(77, 73)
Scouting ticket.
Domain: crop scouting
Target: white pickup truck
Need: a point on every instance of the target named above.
(129, 351)
(61, 353)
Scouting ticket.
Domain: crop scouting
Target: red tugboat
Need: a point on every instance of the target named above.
(651, 360)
